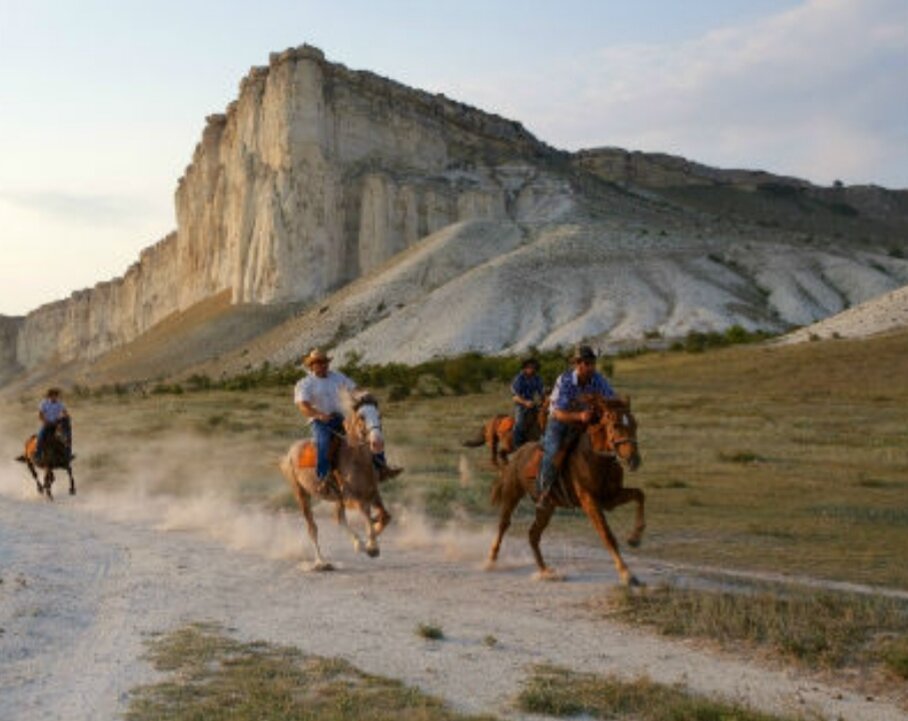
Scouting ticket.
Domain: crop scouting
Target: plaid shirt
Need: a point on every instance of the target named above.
(567, 391)
(527, 387)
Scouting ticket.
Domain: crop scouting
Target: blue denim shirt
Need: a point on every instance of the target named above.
(567, 391)
(527, 387)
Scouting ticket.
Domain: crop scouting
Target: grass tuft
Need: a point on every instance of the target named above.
(557, 692)
(430, 631)
(825, 629)
(216, 678)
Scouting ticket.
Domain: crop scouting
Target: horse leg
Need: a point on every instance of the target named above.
(383, 518)
(594, 512)
(493, 444)
(543, 516)
(504, 522)
(48, 482)
(72, 481)
(626, 495)
(340, 515)
(372, 549)
(34, 472)
(305, 504)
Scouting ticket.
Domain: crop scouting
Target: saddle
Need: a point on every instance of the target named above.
(308, 455)
(560, 490)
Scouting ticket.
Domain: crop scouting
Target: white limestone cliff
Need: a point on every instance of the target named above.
(314, 175)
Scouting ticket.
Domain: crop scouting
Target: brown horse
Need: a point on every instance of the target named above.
(356, 476)
(55, 454)
(498, 433)
(591, 478)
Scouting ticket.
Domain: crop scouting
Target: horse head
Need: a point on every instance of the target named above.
(365, 421)
(614, 430)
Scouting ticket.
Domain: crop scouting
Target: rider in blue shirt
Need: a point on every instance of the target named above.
(53, 413)
(527, 393)
(567, 408)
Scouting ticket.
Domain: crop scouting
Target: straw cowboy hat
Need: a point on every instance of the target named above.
(316, 355)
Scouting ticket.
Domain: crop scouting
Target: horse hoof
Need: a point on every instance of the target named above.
(548, 574)
(320, 566)
(633, 541)
(631, 581)
(490, 565)
(72, 491)
(373, 552)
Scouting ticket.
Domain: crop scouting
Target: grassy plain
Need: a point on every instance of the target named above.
(789, 459)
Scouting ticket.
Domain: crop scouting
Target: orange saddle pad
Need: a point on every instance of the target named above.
(506, 424)
(31, 446)
(307, 457)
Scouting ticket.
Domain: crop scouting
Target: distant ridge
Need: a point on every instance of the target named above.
(334, 207)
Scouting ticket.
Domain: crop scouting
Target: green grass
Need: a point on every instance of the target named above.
(430, 632)
(754, 457)
(830, 630)
(211, 676)
(554, 691)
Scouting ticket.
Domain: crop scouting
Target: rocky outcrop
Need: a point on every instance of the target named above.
(402, 224)
(315, 175)
(660, 171)
(9, 331)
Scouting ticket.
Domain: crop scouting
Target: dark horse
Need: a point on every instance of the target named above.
(591, 478)
(55, 454)
(498, 433)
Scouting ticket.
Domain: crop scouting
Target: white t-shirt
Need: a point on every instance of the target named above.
(324, 393)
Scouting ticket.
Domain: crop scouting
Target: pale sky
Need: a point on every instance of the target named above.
(102, 103)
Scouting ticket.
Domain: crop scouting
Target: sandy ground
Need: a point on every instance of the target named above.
(84, 580)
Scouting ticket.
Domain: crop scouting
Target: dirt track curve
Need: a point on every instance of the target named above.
(85, 580)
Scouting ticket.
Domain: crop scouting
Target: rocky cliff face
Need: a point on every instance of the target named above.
(422, 226)
(315, 175)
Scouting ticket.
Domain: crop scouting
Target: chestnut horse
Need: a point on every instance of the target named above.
(591, 478)
(498, 433)
(356, 476)
(55, 454)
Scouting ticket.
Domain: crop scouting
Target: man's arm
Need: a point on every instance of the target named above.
(310, 411)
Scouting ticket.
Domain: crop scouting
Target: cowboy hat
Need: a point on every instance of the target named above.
(583, 353)
(315, 355)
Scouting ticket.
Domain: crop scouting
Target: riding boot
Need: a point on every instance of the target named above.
(384, 470)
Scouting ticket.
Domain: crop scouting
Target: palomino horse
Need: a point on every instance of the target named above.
(591, 478)
(55, 454)
(355, 473)
(498, 433)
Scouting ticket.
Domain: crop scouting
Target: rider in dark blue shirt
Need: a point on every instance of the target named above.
(527, 391)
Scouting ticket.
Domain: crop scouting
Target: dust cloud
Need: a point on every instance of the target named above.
(177, 485)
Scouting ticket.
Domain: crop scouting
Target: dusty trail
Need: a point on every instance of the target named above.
(84, 580)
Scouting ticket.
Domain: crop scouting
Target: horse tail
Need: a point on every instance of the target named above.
(477, 440)
(22, 459)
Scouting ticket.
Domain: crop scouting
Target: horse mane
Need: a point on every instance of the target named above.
(363, 398)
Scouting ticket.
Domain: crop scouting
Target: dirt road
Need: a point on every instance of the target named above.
(86, 579)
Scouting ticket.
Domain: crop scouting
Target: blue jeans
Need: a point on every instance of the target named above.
(521, 419)
(556, 435)
(323, 432)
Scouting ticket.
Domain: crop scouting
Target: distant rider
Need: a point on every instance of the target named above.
(527, 393)
(52, 413)
(566, 411)
(320, 397)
